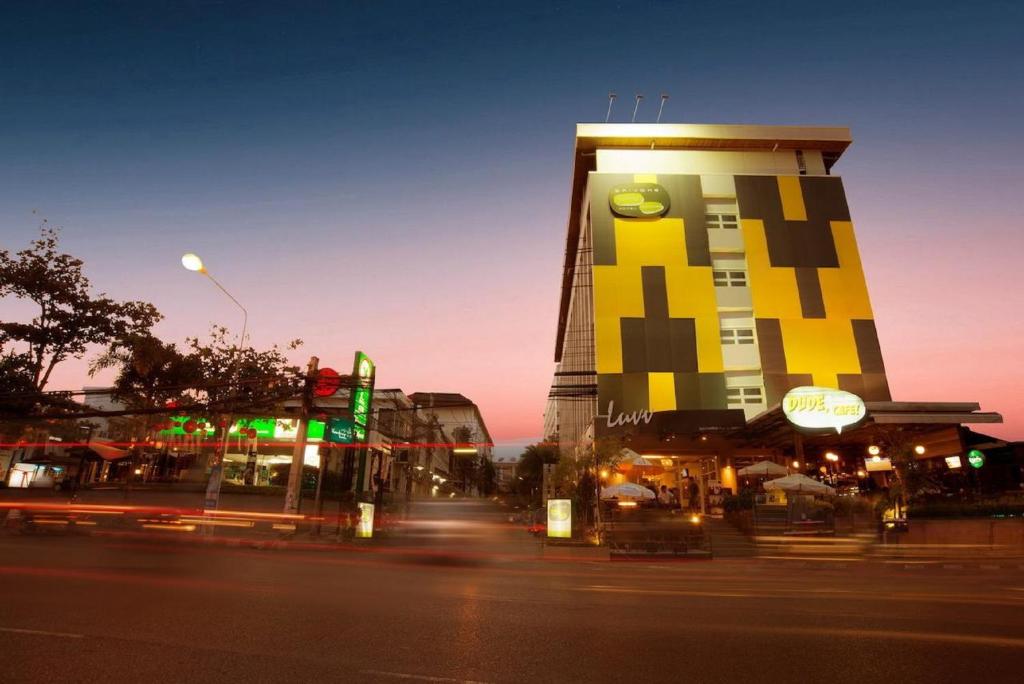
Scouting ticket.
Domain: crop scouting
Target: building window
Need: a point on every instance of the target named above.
(729, 278)
(737, 336)
(738, 396)
(719, 221)
(801, 163)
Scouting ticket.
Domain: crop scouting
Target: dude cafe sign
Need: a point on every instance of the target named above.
(822, 407)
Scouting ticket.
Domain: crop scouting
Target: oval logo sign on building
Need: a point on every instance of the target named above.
(638, 200)
(815, 408)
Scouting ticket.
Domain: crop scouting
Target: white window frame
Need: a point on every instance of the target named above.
(744, 396)
(716, 212)
(737, 335)
(729, 277)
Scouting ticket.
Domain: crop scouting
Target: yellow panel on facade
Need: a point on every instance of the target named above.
(844, 289)
(650, 242)
(618, 293)
(691, 294)
(661, 390)
(792, 199)
(822, 347)
(773, 291)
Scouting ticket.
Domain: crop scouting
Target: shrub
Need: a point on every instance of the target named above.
(958, 509)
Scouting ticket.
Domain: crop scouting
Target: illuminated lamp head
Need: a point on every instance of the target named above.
(192, 262)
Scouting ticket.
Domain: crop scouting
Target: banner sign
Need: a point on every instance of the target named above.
(822, 407)
(560, 518)
(339, 431)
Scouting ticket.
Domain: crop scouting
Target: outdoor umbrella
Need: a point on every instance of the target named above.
(627, 491)
(630, 457)
(762, 469)
(798, 484)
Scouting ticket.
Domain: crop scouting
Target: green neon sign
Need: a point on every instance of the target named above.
(364, 370)
(266, 428)
(975, 458)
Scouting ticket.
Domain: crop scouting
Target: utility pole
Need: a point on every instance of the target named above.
(293, 496)
(318, 501)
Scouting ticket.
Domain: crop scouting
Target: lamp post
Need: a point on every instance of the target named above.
(192, 262)
(833, 459)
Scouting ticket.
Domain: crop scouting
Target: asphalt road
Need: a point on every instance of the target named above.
(478, 606)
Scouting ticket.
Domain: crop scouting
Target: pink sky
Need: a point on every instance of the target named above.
(478, 316)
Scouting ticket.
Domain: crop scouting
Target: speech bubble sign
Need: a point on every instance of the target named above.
(815, 408)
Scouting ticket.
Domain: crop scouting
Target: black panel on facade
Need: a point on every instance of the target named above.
(825, 197)
(794, 244)
(687, 390)
(658, 345)
(635, 396)
(683, 340)
(808, 285)
(869, 352)
(609, 389)
(769, 343)
(634, 344)
(602, 223)
(655, 291)
(688, 204)
(712, 390)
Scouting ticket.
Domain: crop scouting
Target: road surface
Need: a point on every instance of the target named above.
(479, 606)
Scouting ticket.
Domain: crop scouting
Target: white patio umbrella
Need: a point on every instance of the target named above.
(798, 484)
(627, 491)
(762, 469)
(630, 457)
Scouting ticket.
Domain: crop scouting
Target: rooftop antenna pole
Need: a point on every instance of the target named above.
(637, 106)
(611, 101)
(662, 107)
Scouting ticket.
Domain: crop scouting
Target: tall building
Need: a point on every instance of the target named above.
(708, 270)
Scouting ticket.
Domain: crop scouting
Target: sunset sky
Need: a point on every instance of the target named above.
(394, 177)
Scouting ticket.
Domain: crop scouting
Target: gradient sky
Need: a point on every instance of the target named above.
(394, 177)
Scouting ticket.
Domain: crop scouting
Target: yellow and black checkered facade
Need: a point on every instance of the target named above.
(657, 330)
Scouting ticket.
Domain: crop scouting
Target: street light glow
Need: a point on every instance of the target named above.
(919, 449)
(192, 262)
(832, 456)
(874, 450)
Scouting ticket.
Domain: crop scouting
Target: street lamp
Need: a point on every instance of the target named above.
(193, 263)
(833, 458)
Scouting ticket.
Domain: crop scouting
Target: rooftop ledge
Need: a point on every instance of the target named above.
(590, 136)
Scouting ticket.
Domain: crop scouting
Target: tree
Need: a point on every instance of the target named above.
(486, 477)
(242, 380)
(70, 316)
(530, 470)
(150, 372)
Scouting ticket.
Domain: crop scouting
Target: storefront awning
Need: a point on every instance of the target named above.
(104, 449)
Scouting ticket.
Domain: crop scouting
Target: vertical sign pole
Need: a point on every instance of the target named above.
(293, 496)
